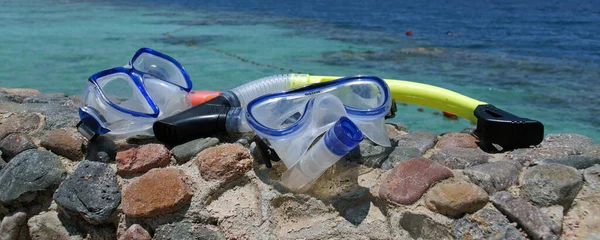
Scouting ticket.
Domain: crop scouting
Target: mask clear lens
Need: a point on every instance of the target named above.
(120, 90)
(160, 68)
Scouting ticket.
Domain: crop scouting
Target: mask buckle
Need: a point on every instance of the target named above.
(268, 153)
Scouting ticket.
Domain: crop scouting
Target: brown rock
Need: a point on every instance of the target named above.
(461, 140)
(142, 159)
(20, 123)
(409, 180)
(158, 191)
(455, 199)
(15, 143)
(225, 162)
(67, 142)
(136, 232)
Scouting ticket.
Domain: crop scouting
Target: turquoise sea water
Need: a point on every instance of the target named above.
(537, 60)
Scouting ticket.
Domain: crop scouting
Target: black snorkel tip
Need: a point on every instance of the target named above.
(200, 121)
(497, 126)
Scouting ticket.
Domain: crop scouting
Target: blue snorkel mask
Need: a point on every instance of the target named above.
(126, 101)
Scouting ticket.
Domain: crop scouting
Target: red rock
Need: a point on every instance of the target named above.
(225, 162)
(408, 180)
(21, 123)
(158, 191)
(142, 159)
(67, 142)
(136, 232)
(461, 140)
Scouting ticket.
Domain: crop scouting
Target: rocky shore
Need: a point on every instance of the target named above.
(54, 184)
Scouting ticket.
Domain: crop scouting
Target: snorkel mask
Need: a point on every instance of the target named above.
(126, 101)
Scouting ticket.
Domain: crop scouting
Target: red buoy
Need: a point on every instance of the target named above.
(450, 115)
(409, 33)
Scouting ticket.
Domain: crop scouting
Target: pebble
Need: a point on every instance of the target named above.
(160, 190)
(12, 225)
(455, 199)
(68, 143)
(485, 224)
(184, 152)
(409, 180)
(552, 184)
(535, 223)
(400, 154)
(29, 172)
(576, 161)
(16, 143)
(186, 231)
(592, 177)
(101, 149)
(527, 156)
(135, 232)
(20, 123)
(369, 154)
(579, 143)
(555, 213)
(91, 192)
(460, 158)
(456, 140)
(394, 130)
(224, 162)
(142, 159)
(421, 140)
(494, 176)
(421, 226)
(48, 226)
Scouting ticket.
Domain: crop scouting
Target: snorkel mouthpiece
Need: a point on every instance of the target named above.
(497, 126)
(340, 139)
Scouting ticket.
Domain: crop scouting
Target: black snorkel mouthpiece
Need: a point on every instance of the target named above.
(497, 126)
(204, 119)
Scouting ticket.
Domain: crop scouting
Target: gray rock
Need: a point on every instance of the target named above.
(101, 149)
(593, 151)
(12, 225)
(527, 156)
(592, 177)
(460, 158)
(188, 150)
(535, 223)
(369, 154)
(552, 184)
(555, 213)
(91, 192)
(576, 161)
(400, 154)
(579, 143)
(185, 231)
(422, 140)
(494, 176)
(421, 226)
(16, 143)
(30, 171)
(398, 126)
(485, 224)
(49, 226)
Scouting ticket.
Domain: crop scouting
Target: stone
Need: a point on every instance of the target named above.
(224, 162)
(16, 143)
(12, 225)
(135, 232)
(142, 159)
(535, 223)
(456, 140)
(101, 149)
(592, 177)
(48, 226)
(186, 231)
(583, 219)
(421, 226)
(460, 158)
(593, 151)
(20, 123)
(485, 224)
(395, 129)
(555, 213)
(422, 140)
(369, 154)
(455, 199)
(25, 92)
(576, 161)
(408, 180)
(494, 176)
(578, 142)
(400, 154)
(91, 192)
(552, 184)
(184, 152)
(68, 143)
(527, 156)
(29, 172)
(160, 190)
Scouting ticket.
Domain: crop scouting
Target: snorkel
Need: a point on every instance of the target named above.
(494, 126)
